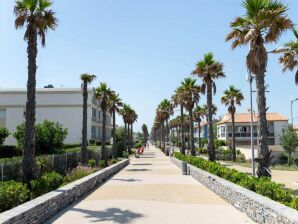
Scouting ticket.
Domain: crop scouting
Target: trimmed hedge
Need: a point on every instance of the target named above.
(262, 186)
(8, 151)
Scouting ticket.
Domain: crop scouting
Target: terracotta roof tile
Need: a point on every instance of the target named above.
(245, 118)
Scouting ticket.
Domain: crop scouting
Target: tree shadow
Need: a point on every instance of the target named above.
(137, 170)
(115, 215)
(141, 164)
(126, 180)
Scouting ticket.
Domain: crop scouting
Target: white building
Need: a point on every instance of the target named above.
(63, 105)
(276, 123)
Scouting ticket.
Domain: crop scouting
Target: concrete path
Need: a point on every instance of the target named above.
(151, 190)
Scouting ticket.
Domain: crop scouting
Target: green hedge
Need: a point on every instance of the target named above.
(9, 151)
(262, 186)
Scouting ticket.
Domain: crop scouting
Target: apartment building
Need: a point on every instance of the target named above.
(63, 105)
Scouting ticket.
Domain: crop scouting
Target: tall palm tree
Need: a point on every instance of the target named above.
(231, 98)
(209, 70)
(178, 101)
(104, 94)
(36, 16)
(86, 79)
(199, 114)
(133, 118)
(263, 23)
(125, 116)
(191, 95)
(166, 108)
(115, 105)
(289, 59)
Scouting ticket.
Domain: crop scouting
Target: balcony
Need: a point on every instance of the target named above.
(247, 134)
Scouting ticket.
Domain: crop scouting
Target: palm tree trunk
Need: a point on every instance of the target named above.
(160, 137)
(103, 137)
(182, 149)
(84, 129)
(199, 127)
(125, 137)
(114, 135)
(188, 137)
(167, 130)
(263, 153)
(131, 135)
(28, 163)
(128, 138)
(192, 145)
(233, 138)
(210, 123)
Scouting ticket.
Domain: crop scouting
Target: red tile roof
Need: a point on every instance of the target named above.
(245, 118)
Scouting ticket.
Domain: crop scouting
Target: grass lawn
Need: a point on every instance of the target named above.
(275, 167)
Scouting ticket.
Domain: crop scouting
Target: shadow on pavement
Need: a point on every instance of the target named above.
(126, 180)
(115, 215)
(137, 170)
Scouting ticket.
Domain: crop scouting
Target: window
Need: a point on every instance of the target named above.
(2, 113)
(93, 132)
(93, 112)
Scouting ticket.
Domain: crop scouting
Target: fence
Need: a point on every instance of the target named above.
(60, 163)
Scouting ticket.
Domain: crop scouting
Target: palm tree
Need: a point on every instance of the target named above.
(231, 98)
(199, 114)
(104, 94)
(115, 105)
(209, 70)
(125, 116)
(289, 59)
(86, 79)
(263, 23)
(166, 108)
(145, 133)
(38, 19)
(178, 100)
(191, 95)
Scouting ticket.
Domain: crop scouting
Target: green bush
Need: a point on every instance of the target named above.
(8, 151)
(76, 174)
(69, 146)
(102, 164)
(125, 154)
(48, 182)
(202, 150)
(12, 194)
(113, 161)
(4, 133)
(219, 143)
(138, 145)
(92, 162)
(49, 137)
(263, 186)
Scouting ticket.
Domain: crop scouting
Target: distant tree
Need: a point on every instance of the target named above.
(289, 142)
(145, 132)
(4, 133)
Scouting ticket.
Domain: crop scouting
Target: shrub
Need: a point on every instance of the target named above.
(4, 133)
(138, 145)
(125, 154)
(219, 143)
(12, 194)
(8, 151)
(92, 162)
(77, 173)
(48, 182)
(202, 150)
(102, 164)
(49, 137)
(69, 146)
(113, 161)
(263, 186)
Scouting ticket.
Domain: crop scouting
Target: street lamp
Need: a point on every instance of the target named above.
(250, 80)
(292, 101)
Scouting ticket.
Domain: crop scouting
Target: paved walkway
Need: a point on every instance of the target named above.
(151, 190)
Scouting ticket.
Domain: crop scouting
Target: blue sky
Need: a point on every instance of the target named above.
(142, 49)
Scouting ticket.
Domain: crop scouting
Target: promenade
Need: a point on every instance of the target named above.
(151, 190)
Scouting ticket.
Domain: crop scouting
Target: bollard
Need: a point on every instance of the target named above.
(184, 168)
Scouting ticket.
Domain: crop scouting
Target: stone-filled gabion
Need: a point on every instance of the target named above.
(257, 207)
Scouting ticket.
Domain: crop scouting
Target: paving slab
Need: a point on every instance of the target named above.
(151, 190)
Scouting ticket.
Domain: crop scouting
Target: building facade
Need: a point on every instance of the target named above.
(276, 123)
(63, 105)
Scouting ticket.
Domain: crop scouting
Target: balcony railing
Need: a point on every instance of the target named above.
(247, 134)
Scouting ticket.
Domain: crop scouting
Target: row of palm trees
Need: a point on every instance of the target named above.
(263, 23)
(37, 18)
(110, 102)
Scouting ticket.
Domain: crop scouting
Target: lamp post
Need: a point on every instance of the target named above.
(250, 80)
(292, 101)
